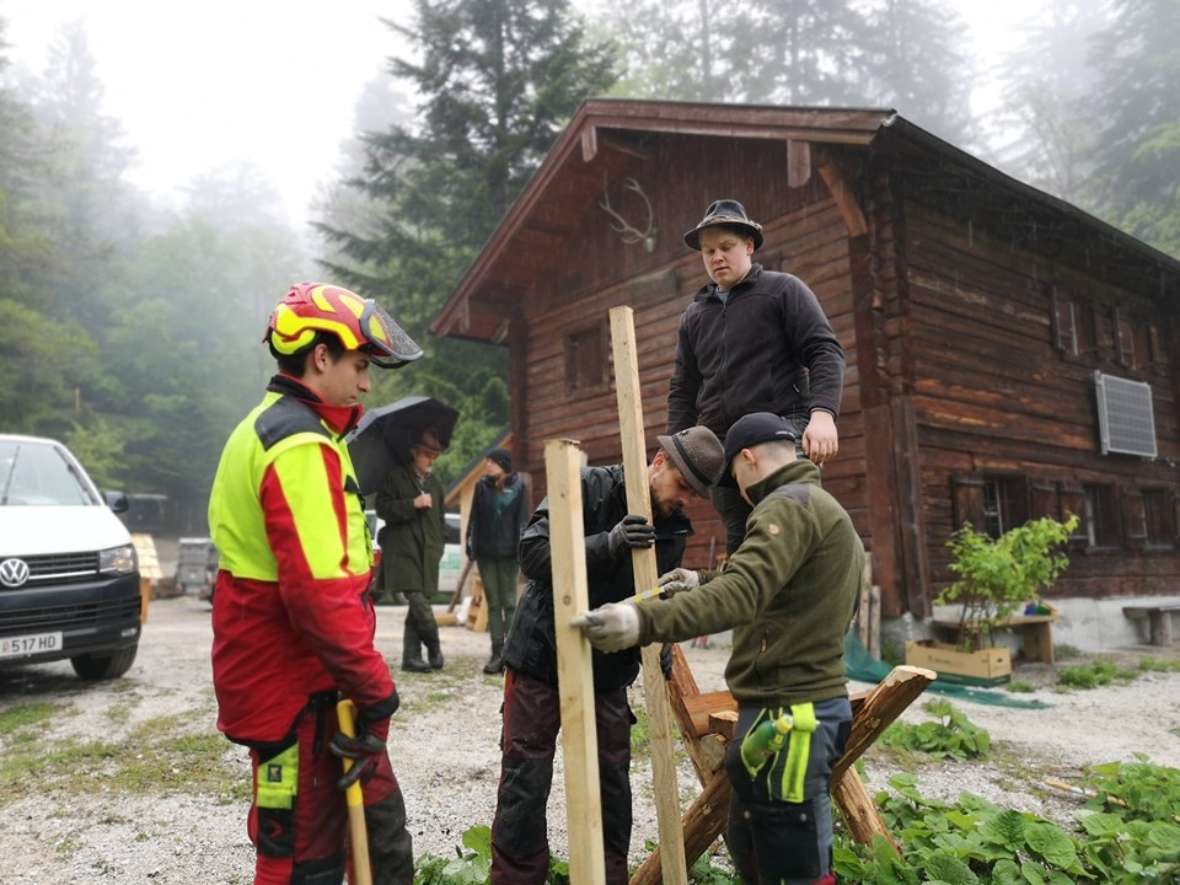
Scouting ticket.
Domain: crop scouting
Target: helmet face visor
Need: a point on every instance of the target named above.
(386, 342)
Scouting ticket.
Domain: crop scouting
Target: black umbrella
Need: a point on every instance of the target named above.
(383, 438)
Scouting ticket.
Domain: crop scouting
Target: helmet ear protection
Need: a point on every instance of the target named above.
(358, 323)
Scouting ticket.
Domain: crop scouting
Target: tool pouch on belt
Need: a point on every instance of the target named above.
(274, 796)
(783, 776)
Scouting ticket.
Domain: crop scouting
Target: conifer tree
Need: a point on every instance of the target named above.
(1137, 148)
(499, 79)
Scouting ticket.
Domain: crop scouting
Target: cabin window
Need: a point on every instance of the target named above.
(1100, 515)
(1075, 327)
(1005, 503)
(1159, 517)
(586, 359)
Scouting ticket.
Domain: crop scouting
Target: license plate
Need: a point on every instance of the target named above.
(34, 644)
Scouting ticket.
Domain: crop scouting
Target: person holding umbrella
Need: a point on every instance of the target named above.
(292, 621)
(411, 503)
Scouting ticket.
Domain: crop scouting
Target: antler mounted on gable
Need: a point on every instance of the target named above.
(631, 234)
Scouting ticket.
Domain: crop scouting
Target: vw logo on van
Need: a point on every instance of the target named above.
(14, 572)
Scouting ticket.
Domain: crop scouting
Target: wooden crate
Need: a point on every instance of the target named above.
(988, 666)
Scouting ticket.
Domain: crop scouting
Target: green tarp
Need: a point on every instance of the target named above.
(863, 667)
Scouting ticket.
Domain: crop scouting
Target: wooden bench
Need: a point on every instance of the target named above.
(1036, 634)
(1159, 618)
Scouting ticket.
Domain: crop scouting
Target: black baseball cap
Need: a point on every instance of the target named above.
(751, 430)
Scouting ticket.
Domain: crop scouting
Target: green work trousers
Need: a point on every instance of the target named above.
(498, 574)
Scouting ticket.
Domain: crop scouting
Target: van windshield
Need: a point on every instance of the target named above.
(38, 475)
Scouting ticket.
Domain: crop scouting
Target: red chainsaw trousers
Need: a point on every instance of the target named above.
(307, 843)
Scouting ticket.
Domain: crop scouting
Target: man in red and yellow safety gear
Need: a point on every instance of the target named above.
(292, 624)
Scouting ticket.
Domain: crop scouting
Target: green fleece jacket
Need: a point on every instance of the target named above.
(789, 593)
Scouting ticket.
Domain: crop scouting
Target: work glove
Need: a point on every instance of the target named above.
(366, 748)
(666, 660)
(612, 627)
(677, 581)
(629, 533)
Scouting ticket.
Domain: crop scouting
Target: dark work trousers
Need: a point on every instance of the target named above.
(498, 574)
(421, 627)
(732, 507)
(532, 718)
(773, 840)
(298, 821)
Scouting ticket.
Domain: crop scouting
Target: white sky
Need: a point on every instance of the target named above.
(199, 85)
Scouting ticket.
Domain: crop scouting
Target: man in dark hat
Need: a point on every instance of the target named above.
(752, 340)
(685, 466)
(789, 593)
(498, 514)
(411, 503)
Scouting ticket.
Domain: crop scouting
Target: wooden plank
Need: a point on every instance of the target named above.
(575, 677)
(859, 810)
(703, 823)
(880, 708)
(842, 193)
(663, 763)
(798, 163)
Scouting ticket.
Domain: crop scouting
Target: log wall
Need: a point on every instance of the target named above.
(1005, 343)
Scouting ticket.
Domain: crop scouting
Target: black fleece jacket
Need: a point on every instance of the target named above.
(767, 348)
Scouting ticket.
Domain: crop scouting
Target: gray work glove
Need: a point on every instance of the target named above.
(612, 627)
(629, 533)
(677, 581)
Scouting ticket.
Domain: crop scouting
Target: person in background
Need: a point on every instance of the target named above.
(411, 503)
(499, 510)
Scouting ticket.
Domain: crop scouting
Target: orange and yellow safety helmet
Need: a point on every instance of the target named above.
(359, 323)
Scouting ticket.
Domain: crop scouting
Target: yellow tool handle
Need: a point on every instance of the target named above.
(354, 798)
(644, 595)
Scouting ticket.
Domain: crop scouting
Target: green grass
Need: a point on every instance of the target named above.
(23, 715)
(1018, 687)
(640, 736)
(1159, 665)
(1064, 651)
(160, 756)
(1094, 674)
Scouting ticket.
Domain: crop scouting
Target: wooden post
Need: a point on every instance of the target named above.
(659, 718)
(575, 677)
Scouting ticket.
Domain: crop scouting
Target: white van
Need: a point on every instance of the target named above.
(69, 578)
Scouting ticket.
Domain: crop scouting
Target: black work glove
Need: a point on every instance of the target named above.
(364, 749)
(666, 660)
(631, 532)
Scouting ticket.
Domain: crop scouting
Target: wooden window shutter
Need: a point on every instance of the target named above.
(1043, 499)
(967, 497)
(1134, 517)
(1062, 324)
(1176, 515)
(1071, 500)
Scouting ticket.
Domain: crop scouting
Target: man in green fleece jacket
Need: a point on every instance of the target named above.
(789, 593)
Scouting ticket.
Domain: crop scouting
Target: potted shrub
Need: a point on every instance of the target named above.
(996, 577)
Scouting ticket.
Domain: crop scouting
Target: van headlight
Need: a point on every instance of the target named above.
(117, 560)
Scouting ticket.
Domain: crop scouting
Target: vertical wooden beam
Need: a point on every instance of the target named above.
(575, 677)
(659, 717)
(798, 163)
(589, 143)
(518, 391)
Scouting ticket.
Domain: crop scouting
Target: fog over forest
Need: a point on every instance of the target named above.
(158, 195)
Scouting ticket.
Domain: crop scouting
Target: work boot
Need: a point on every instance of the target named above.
(415, 665)
(435, 655)
(495, 663)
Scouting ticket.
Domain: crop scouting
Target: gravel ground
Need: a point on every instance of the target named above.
(128, 782)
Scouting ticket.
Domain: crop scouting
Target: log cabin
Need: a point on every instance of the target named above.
(1007, 354)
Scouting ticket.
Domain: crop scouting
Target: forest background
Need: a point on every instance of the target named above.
(130, 328)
